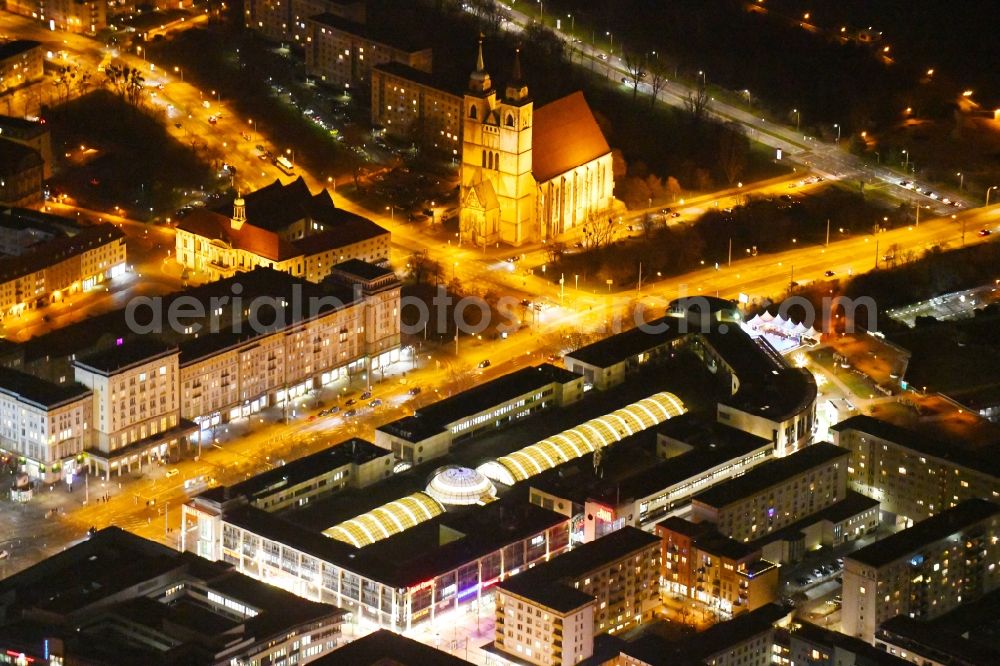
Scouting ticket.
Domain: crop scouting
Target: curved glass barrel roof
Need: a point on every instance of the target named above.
(386, 520)
(584, 438)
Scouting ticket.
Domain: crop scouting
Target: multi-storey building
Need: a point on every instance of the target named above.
(32, 133)
(136, 406)
(47, 425)
(776, 493)
(805, 644)
(912, 475)
(21, 229)
(21, 62)
(702, 564)
(620, 572)
(411, 105)
(387, 648)
(285, 20)
(432, 429)
(59, 267)
(22, 171)
(342, 52)
(86, 16)
(116, 598)
(284, 227)
(923, 571)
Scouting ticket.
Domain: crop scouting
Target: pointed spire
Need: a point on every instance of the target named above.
(516, 75)
(517, 89)
(480, 67)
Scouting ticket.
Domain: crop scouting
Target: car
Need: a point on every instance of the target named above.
(829, 273)
(513, 258)
(665, 211)
(602, 56)
(933, 195)
(985, 232)
(4, 554)
(905, 183)
(178, 125)
(350, 401)
(172, 472)
(212, 120)
(414, 391)
(802, 580)
(377, 402)
(366, 395)
(675, 214)
(485, 363)
(351, 413)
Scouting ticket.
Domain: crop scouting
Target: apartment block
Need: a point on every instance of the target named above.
(82, 16)
(702, 564)
(412, 105)
(22, 171)
(48, 425)
(136, 406)
(21, 63)
(912, 475)
(285, 20)
(59, 267)
(34, 134)
(620, 572)
(776, 493)
(923, 571)
(342, 52)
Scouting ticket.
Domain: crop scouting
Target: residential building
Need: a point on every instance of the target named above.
(45, 425)
(528, 177)
(285, 20)
(433, 429)
(746, 640)
(923, 571)
(59, 267)
(284, 227)
(32, 133)
(542, 611)
(21, 62)
(22, 229)
(82, 16)
(342, 52)
(702, 564)
(912, 474)
(410, 104)
(805, 644)
(776, 493)
(116, 598)
(136, 403)
(22, 171)
(387, 648)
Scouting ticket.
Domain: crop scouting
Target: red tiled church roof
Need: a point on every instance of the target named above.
(261, 242)
(565, 135)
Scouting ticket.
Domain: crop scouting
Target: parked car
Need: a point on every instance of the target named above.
(351, 413)
(172, 472)
(377, 402)
(485, 363)
(366, 395)
(414, 391)
(350, 401)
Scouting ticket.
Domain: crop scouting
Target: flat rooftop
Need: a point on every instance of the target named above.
(852, 504)
(386, 648)
(372, 31)
(617, 348)
(908, 541)
(707, 538)
(133, 352)
(546, 583)
(770, 473)
(16, 47)
(39, 392)
(982, 459)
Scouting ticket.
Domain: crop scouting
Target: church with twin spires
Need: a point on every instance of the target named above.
(528, 175)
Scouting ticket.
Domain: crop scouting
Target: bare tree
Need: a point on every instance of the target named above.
(598, 231)
(422, 269)
(555, 251)
(135, 87)
(657, 79)
(491, 13)
(696, 104)
(733, 149)
(635, 64)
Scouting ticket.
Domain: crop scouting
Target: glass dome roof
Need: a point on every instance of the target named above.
(460, 485)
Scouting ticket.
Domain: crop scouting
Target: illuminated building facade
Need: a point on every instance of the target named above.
(342, 52)
(541, 611)
(702, 564)
(528, 176)
(409, 105)
(923, 571)
(285, 20)
(775, 494)
(284, 227)
(21, 63)
(59, 267)
(913, 476)
(47, 425)
(85, 16)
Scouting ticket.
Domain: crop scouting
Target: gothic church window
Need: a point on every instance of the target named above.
(472, 112)
(510, 120)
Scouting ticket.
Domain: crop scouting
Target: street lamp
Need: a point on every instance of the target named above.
(541, 6)
(906, 162)
(798, 119)
(289, 151)
(988, 190)
(572, 22)
(837, 126)
(612, 37)
(253, 123)
(141, 52)
(392, 212)
(178, 70)
(961, 180)
(704, 78)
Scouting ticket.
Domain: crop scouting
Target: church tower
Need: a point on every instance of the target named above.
(517, 189)
(479, 216)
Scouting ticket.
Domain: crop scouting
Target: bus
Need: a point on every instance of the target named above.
(284, 165)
